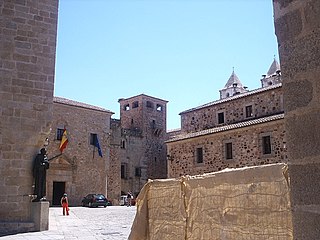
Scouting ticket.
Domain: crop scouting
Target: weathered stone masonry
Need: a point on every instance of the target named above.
(27, 47)
(79, 169)
(297, 25)
(231, 132)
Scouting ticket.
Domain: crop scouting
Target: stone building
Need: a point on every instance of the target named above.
(133, 148)
(27, 47)
(27, 44)
(242, 128)
(79, 170)
(138, 141)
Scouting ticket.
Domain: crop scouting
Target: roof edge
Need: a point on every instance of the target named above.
(232, 126)
(74, 103)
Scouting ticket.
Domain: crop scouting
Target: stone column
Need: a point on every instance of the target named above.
(297, 25)
(27, 61)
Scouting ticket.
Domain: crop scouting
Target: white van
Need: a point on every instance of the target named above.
(123, 200)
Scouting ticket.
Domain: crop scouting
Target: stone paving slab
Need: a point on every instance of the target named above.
(110, 223)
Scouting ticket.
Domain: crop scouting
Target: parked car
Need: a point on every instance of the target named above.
(95, 200)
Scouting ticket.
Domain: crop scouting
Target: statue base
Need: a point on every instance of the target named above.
(40, 215)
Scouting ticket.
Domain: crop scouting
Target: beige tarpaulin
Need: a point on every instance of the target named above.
(239, 204)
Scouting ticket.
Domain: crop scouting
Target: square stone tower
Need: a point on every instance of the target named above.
(143, 132)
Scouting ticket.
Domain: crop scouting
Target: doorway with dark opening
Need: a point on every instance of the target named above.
(58, 190)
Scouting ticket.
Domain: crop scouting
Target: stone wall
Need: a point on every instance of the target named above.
(142, 150)
(114, 171)
(27, 48)
(265, 101)
(297, 25)
(80, 166)
(246, 147)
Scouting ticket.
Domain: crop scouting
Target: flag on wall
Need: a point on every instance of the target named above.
(96, 143)
(64, 141)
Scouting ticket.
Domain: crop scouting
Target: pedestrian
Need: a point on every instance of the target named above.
(129, 196)
(65, 204)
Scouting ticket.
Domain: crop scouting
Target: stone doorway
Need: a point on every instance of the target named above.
(58, 190)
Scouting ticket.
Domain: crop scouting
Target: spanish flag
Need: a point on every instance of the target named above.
(64, 141)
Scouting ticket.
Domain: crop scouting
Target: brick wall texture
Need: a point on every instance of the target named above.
(27, 47)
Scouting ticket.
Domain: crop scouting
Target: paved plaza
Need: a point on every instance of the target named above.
(112, 223)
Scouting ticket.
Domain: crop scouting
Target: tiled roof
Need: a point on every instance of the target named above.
(232, 80)
(79, 104)
(275, 66)
(227, 127)
(234, 97)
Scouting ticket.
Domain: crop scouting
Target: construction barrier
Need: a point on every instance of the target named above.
(233, 204)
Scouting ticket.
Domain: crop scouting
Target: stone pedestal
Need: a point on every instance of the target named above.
(40, 215)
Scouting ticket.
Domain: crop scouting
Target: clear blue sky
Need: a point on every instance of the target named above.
(182, 51)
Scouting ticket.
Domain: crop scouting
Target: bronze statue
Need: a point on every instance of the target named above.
(40, 166)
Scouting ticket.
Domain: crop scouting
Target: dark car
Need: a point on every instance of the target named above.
(95, 200)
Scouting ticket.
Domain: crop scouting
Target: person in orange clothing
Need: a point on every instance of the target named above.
(65, 204)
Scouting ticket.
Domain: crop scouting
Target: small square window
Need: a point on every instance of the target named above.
(126, 107)
(93, 139)
(149, 104)
(199, 155)
(266, 145)
(59, 133)
(228, 149)
(135, 104)
(159, 108)
(220, 117)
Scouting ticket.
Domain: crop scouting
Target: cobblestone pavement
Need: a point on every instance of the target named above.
(111, 223)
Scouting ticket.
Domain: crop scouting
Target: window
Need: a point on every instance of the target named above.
(138, 172)
(93, 139)
(135, 104)
(149, 104)
(153, 124)
(123, 144)
(159, 107)
(266, 145)
(220, 117)
(59, 133)
(123, 171)
(249, 112)
(126, 107)
(228, 149)
(199, 155)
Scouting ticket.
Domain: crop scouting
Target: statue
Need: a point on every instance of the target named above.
(40, 166)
